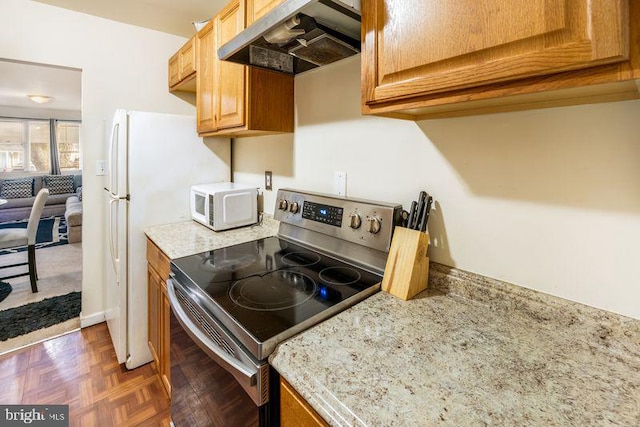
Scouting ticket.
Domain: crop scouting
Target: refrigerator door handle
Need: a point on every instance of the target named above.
(115, 259)
(113, 160)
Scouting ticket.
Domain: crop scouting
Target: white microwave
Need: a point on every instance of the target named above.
(224, 205)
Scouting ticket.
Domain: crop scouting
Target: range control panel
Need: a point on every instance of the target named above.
(326, 214)
(364, 222)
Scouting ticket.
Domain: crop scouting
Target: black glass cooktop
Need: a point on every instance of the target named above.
(270, 285)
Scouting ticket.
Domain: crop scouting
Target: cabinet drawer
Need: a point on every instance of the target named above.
(158, 260)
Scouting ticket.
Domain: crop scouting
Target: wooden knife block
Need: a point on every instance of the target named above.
(407, 269)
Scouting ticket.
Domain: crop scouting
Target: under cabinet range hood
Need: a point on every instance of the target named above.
(298, 35)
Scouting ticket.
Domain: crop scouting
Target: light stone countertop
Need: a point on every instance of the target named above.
(187, 238)
(468, 351)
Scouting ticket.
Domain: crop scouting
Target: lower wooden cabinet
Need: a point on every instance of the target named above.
(159, 312)
(295, 411)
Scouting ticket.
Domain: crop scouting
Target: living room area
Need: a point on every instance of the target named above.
(40, 202)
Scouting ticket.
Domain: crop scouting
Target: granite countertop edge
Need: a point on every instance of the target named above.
(185, 238)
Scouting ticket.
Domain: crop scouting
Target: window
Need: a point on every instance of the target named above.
(25, 145)
(68, 139)
(38, 146)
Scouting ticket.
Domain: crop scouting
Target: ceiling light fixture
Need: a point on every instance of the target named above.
(40, 99)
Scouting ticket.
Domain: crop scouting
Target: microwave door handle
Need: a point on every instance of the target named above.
(201, 339)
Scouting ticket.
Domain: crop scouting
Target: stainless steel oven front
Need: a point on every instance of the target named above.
(214, 380)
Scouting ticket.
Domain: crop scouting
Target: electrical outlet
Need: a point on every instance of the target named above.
(340, 183)
(268, 184)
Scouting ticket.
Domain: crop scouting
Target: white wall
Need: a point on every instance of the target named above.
(122, 67)
(546, 199)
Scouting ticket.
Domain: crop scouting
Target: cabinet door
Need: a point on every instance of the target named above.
(188, 59)
(295, 411)
(165, 318)
(258, 8)
(153, 323)
(230, 77)
(205, 78)
(174, 70)
(418, 47)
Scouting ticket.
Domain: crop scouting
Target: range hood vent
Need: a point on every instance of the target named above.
(298, 35)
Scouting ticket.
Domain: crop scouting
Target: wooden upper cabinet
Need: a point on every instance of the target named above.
(182, 68)
(256, 9)
(236, 100)
(230, 77)
(174, 70)
(205, 95)
(424, 48)
(188, 58)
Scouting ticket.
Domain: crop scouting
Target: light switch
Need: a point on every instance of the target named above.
(100, 167)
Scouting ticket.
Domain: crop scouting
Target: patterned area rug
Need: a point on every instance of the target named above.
(52, 231)
(5, 290)
(37, 315)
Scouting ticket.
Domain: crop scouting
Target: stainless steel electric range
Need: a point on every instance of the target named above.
(230, 307)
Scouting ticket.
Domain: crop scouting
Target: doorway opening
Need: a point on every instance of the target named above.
(40, 147)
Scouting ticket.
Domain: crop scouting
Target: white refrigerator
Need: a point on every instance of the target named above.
(153, 160)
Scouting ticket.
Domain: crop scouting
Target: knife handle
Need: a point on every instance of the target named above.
(425, 217)
(412, 214)
(420, 210)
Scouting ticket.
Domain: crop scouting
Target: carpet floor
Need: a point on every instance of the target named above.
(52, 231)
(59, 272)
(31, 317)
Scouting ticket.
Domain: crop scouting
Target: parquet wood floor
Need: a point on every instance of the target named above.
(80, 369)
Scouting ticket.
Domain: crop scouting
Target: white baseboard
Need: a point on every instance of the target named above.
(93, 319)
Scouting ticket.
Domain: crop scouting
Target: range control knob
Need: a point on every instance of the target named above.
(293, 207)
(355, 221)
(282, 205)
(373, 225)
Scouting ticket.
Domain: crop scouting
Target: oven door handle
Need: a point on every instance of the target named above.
(207, 344)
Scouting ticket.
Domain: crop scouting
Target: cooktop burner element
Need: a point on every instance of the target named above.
(228, 264)
(300, 259)
(275, 290)
(340, 275)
